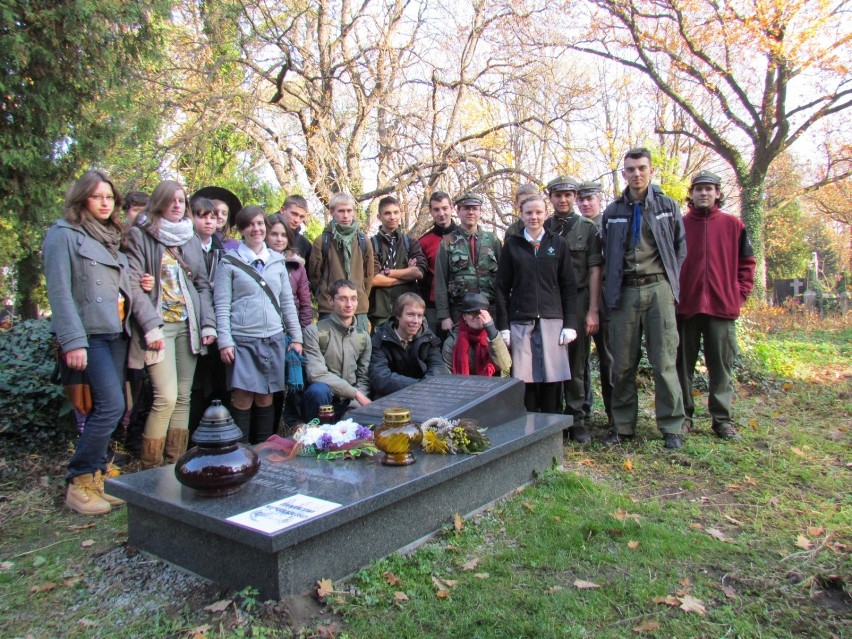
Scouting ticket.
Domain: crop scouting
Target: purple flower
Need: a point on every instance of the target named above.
(325, 442)
(362, 432)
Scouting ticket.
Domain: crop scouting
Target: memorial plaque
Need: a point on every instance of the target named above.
(489, 400)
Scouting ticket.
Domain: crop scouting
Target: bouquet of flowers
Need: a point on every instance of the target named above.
(451, 436)
(346, 439)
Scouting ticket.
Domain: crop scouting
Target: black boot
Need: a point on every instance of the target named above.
(263, 423)
(242, 418)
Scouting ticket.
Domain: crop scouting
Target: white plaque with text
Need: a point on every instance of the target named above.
(278, 515)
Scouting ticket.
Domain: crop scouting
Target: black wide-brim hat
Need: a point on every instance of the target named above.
(219, 193)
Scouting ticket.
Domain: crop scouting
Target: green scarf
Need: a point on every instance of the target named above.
(344, 235)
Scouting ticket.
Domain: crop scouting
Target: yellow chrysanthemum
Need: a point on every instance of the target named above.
(434, 444)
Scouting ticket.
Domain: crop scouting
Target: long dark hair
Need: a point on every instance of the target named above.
(78, 193)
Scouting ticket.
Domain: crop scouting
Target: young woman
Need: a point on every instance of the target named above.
(174, 322)
(280, 238)
(88, 286)
(252, 298)
(536, 297)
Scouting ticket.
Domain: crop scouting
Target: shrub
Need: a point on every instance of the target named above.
(34, 412)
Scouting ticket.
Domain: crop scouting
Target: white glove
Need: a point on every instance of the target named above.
(567, 336)
(507, 337)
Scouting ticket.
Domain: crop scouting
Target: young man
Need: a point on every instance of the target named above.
(404, 349)
(342, 252)
(589, 202)
(475, 346)
(715, 282)
(441, 210)
(398, 262)
(644, 247)
(584, 243)
(295, 212)
(337, 355)
(132, 206)
(466, 261)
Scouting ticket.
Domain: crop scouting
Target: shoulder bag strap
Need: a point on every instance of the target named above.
(248, 270)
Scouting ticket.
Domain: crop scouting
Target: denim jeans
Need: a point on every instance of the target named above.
(106, 358)
(319, 394)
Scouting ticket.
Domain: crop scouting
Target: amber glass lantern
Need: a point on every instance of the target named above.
(397, 436)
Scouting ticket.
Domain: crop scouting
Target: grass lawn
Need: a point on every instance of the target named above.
(749, 538)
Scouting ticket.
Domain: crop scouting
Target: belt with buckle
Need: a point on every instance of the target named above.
(643, 280)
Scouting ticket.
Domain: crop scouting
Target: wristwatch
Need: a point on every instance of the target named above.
(386, 271)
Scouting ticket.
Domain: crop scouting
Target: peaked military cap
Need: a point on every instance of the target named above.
(705, 177)
(588, 188)
(468, 199)
(562, 183)
(473, 302)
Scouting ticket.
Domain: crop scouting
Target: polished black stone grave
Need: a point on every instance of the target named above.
(381, 508)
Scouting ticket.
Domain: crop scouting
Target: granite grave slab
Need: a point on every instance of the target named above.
(372, 510)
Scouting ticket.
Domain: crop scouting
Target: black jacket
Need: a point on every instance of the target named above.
(533, 286)
(392, 367)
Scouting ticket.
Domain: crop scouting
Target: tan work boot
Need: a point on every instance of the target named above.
(176, 441)
(99, 486)
(152, 451)
(82, 497)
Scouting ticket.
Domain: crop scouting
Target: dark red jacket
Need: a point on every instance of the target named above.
(718, 273)
(430, 242)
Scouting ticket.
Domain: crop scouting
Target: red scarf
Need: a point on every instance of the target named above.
(461, 352)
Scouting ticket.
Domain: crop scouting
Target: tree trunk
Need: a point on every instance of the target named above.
(28, 270)
(752, 214)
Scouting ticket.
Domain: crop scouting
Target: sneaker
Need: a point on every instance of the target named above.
(673, 440)
(580, 435)
(725, 430)
(614, 438)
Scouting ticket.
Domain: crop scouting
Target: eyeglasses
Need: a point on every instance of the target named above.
(103, 198)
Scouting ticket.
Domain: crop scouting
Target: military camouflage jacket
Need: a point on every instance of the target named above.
(457, 274)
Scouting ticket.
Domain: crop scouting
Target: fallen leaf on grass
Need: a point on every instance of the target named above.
(633, 544)
(458, 524)
(622, 515)
(649, 625)
(200, 632)
(442, 594)
(47, 585)
(470, 565)
(736, 522)
(797, 451)
(586, 462)
(816, 531)
(718, 534)
(452, 583)
(804, 543)
(554, 589)
(668, 600)
(786, 386)
(219, 606)
(585, 585)
(685, 582)
(749, 480)
(87, 543)
(88, 623)
(324, 588)
(328, 632)
(7, 565)
(482, 575)
(529, 506)
(400, 596)
(774, 501)
(627, 465)
(391, 578)
(730, 593)
(91, 524)
(72, 581)
(753, 424)
(696, 526)
(691, 604)
(442, 585)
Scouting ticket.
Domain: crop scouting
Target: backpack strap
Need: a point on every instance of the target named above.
(248, 270)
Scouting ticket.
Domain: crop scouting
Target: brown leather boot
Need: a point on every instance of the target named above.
(176, 441)
(152, 451)
(99, 486)
(82, 497)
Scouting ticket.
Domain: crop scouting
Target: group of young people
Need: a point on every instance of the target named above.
(171, 290)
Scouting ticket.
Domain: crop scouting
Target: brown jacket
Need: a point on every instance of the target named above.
(323, 272)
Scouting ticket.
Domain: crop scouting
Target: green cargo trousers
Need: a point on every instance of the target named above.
(719, 337)
(648, 310)
(574, 389)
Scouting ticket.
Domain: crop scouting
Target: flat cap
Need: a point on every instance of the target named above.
(562, 183)
(588, 188)
(468, 199)
(473, 302)
(705, 177)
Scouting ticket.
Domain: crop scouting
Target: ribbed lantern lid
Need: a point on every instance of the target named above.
(217, 427)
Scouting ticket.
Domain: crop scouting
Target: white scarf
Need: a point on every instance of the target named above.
(174, 233)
